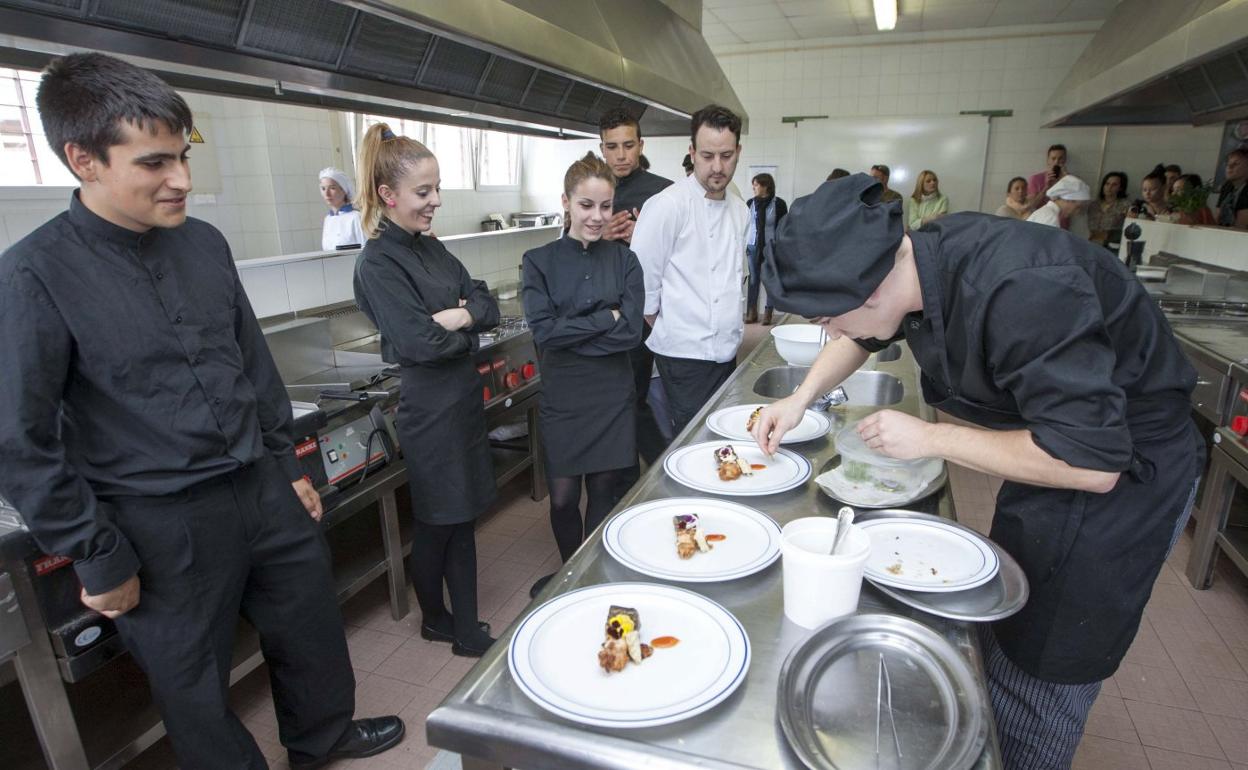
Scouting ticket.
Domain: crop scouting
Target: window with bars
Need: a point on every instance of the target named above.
(25, 157)
(468, 158)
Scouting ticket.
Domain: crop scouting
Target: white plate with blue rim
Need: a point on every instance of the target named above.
(696, 467)
(730, 423)
(643, 538)
(926, 555)
(553, 656)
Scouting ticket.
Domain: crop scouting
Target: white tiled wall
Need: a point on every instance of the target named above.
(943, 78)
(267, 201)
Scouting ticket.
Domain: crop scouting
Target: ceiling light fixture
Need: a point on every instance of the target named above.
(885, 14)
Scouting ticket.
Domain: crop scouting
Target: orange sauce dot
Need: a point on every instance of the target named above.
(715, 538)
(663, 642)
(757, 466)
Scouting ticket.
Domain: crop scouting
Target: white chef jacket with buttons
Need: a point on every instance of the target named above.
(690, 249)
(342, 228)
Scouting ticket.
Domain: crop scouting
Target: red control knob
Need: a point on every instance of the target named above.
(1240, 425)
(512, 380)
(486, 393)
(529, 370)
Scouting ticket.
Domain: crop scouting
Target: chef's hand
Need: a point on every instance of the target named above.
(777, 420)
(898, 435)
(310, 499)
(453, 319)
(116, 602)
(620, 228)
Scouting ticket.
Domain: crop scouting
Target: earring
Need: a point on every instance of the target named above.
(391, 204)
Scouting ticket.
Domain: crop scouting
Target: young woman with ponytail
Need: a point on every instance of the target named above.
(429, 312)
(583, 299)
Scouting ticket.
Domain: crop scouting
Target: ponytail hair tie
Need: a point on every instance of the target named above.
(387, 134)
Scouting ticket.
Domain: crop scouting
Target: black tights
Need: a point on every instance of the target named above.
(446, 551)
(604, 492)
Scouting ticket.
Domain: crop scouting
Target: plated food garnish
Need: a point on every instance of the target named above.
(753, 419)
(689, 536)
(623, 642)
(731, 466)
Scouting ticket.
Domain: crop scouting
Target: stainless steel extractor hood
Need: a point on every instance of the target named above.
(547, 67)
(1159, 62)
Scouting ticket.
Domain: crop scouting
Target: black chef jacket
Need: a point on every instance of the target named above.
(401, 280)
(634, 190)
(1028, 327)
(133, 365)
(570, 290)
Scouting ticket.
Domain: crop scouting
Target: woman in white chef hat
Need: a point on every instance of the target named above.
(1067, 197)
(342, 224)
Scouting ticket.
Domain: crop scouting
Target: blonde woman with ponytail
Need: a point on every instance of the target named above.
(583, 299)
(429, 312)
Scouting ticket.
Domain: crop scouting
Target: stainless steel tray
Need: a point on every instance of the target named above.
(932, 488)
(829, 701)
(999, 598)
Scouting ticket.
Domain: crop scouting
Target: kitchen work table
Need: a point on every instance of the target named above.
(489, 721)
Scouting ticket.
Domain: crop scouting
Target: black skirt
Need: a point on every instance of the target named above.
(442, 434)
(587, 413)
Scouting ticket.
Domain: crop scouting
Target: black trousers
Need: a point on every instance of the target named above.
(650, 441)
(689, 384)
(238, 544)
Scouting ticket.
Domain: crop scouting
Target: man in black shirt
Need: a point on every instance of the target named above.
(1080, 395)
(145, 433)
(1233, 197)
(621, 147)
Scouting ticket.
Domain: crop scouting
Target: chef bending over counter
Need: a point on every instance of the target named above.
(1079, 395)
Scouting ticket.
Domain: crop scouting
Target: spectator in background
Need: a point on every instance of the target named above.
(766, 211)
(881, 174)
(927, 203)
(1015, 206)
(1173, 171)
(1105, 215)
(1152, 202)
(1054, 169)
(1066, 197)
(1233, 197)
(837, 173)
(622, 146)
(687, 164)
(585, 330)
(690, 239)
(1190, 197)
(341, 228)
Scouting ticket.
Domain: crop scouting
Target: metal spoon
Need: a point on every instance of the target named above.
(844, 518)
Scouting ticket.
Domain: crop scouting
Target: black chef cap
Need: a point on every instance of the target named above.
(833, 249)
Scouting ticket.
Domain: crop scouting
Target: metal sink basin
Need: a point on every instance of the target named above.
(890, 353)
(863, 388)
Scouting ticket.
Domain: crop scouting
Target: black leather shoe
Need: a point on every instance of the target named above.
(466, 651)
(537, 587)
(364, 738)
(431, 634)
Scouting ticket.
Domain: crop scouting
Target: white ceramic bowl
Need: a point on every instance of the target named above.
(797, 343)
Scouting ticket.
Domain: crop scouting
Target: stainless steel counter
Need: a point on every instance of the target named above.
(1222, 343)
(488, 720)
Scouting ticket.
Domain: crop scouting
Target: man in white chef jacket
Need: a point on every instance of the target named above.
(690, 239)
